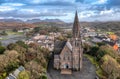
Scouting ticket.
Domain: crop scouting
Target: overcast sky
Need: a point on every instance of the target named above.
(88, 10)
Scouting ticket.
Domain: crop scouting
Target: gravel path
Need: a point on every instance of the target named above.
(88, 72)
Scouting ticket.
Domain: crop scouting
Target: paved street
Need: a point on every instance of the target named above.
(88, 72)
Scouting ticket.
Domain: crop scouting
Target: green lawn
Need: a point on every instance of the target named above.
(9, 32)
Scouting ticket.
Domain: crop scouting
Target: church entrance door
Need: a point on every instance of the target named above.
(66, 66)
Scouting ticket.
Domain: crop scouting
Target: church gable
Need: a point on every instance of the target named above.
(67, 50)
(66, 57)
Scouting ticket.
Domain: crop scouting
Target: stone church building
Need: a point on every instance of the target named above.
(68, 54)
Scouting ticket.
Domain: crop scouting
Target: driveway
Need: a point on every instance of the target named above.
(87, 72)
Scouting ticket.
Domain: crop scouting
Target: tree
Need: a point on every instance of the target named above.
(23, 75)
(43, 77)
(86, 48)
(69, 34)
(106, 49)
(9, 61)
(3, 63)
(11, 66)
(15, 30)
(93, 50)
(2, 49)
(110, 66)
(22, 44)
(43, 32)
(35, 69)
(3, 33)
(36, 29)
(61, 38)
(101, 44)
(11, 46)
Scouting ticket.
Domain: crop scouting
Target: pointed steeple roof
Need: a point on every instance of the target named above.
(76, 26)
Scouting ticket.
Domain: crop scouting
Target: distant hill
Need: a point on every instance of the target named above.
(30, 21)
(46, 20)
(111, 26)
(11, 20)
(104, 26)
(33, 20)
(54, 24)
(16, 23)
(12, 25)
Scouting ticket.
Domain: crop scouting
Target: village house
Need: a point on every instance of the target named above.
(68, 54)
(15, 74)
(118, 42)
(45, 41)
(106, 40)
(88, 32)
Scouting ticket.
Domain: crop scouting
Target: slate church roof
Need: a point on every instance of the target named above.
(59, 45)
(76, 26)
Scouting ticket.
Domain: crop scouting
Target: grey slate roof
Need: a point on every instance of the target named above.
(110, 43)
(21, 68)
(10, 77)
(59, 45)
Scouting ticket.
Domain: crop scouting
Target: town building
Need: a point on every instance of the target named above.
(15, 74)
(68, 54)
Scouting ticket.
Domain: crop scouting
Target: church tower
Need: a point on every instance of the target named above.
(76, 43)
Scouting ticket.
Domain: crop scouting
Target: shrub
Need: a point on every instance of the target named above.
(22, 44)
(23, 75)
(43, 77)
(2, 49)
(110, 66)
(11, 66)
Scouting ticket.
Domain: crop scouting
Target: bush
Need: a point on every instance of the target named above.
(110, 66)
(101, 43)
(93, 51)
(37, 29)
(23, 75)
(43, 77)
(22, 44)
(3, 33)
(11, 66)
(106, 49)
(11, 46)
(2, 49)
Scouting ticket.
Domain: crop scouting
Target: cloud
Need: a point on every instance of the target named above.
(92, 1)
(58, 3)
(13, 4)
(113, 2)
(105, 15)
(35, 1)
(89, 10)
(29, 13)
(6, 8)
(100, 2)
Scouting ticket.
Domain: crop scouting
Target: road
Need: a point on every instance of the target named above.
(88, 72)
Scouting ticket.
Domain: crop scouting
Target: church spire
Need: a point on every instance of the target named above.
(76, 26)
